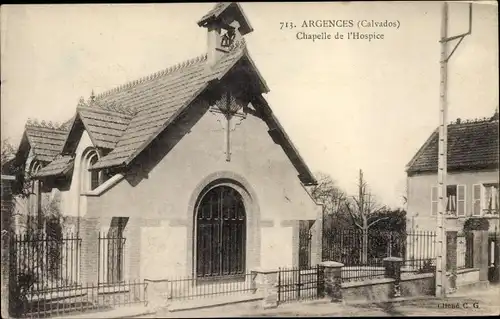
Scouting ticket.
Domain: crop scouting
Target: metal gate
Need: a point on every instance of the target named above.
(493, 257)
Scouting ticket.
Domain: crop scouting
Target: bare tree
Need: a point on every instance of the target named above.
(327, 192)
(363, 210)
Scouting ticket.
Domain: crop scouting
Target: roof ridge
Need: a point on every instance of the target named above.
(105, 106)
(459, 121)
(43, 124)
(179, 66)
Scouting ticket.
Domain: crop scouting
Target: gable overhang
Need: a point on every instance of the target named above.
(408, 167)
(22, 151)
(229, 9)
(245, 64)
(75, 133)
(279, 135)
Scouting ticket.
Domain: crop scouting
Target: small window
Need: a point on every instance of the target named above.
(91, 179)
(94, 175)
(490, 199)
(434, 200)
(451, 199)
(461, 200)
(476, 199)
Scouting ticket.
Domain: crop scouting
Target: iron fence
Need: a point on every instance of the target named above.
(362, 253)
(186, 288)
(420, 252)
(87, 298)
(39, 261)
(299, 284)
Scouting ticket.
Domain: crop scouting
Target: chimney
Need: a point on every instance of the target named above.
(226, 23)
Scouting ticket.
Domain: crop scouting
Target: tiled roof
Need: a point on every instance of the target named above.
(59, 166)
(45, 140)
(215, 11)
(105, 127)
(471, 145)
(157, 99)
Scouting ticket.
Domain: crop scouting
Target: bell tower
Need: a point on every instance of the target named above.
(226, 24)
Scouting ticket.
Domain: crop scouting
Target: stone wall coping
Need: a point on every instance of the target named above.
(410, 277)
(466, 270)
(331, 264)
(264, 270)
(393, 259)
(371, 282)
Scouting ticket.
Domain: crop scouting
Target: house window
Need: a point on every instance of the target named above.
(455, 200)
(485, 199)
(112, 252)
(91, 179)
(220, 233)
(35, 199)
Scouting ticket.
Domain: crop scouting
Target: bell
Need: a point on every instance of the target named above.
(228, 38)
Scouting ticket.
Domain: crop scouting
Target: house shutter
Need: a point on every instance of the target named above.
(476, 199)
(461, 200)
(434, 200)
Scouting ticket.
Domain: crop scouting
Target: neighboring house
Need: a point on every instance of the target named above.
(189, 165)
(472, 179)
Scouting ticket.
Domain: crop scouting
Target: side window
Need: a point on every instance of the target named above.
(434, 200)
(90, 179)
(461, 200)
(476, 199)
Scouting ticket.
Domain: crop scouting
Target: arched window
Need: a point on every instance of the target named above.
(91, 179)
(220, 233)
(35, 198)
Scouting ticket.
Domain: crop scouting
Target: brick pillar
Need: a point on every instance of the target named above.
(480, 253)
(89, 260)
(451, 260)
(332, 278)
(7, 206)
(392, 267)
(266, 283)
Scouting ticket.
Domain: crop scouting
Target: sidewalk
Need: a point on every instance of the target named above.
(464, 303)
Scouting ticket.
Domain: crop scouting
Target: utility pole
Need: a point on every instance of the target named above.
(443, 146)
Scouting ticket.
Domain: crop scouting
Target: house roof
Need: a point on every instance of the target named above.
(105, 124)
(45, 139)
(472, 145)
(61, 165)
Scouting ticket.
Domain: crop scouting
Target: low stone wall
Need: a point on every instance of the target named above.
(372, 290)
(467, 276)
(375, 290)
(418, 285)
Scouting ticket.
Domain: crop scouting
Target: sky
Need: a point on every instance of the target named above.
(346, 104)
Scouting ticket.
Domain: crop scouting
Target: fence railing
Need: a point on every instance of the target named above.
(186, 288)
(85, 298)
(299, 284)
(420, 252)
(111, 262)
(40, 261)
(363, 253)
